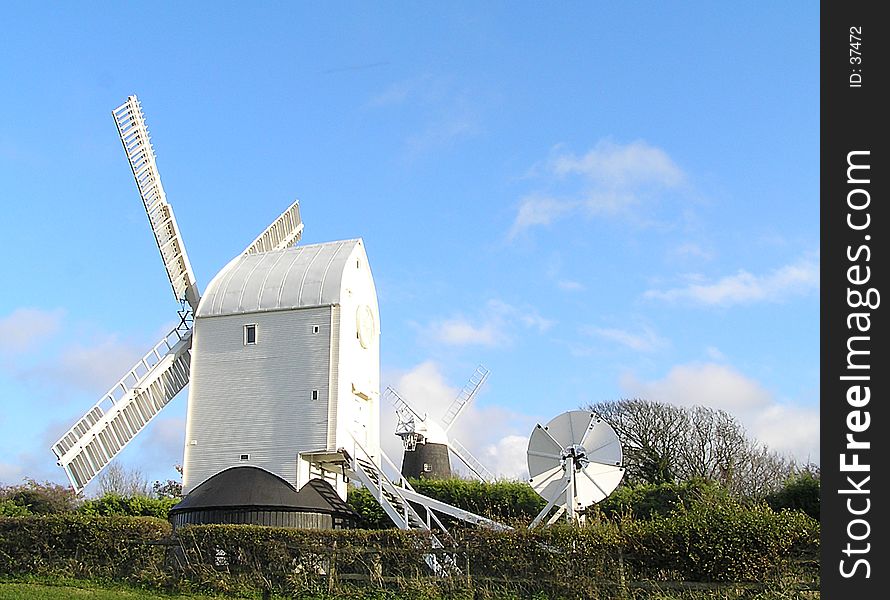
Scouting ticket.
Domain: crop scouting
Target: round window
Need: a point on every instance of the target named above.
(365, 327)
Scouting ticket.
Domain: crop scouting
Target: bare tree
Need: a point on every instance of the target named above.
(764, 472)
(172, 488)
(651, 434)
(667, 443)
(713, 445)
(116, 479)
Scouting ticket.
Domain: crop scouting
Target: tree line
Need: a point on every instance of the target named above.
(670, 453)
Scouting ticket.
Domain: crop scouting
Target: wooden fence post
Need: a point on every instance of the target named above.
(622, 579)
(469, 576)
(332, 568)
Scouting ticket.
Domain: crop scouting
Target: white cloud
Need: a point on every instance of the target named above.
(93, 365)
(783, 427)
(447, 114)
(717, 386)
(461, 332)
(538, 210)
(444, 130)
(646, 340)
(621, 166)
(611, 177)
(424, 90)
(26, 328)
(789, 429)
(36, 461)
(395, 94)
(10, 474)
(714, 353)
(97, 366)
(506, 458)
(497, 436)
(528, 317)
(426, 387)
(570, 285)
(492, 328)
(161, 444)
(691, 250)
(746, 288)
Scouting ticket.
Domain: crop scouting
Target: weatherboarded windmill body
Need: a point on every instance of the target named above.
(281, 355)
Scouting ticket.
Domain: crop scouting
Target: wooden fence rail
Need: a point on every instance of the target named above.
(332, 572)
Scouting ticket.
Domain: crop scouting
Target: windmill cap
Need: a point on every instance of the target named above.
(298, 277)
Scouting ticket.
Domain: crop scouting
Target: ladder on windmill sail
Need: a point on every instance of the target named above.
(466, 394)
(126, 409)
(137, 144)
(284, 231)
(471, 461)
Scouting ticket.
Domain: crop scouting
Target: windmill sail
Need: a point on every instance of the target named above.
(140, 154)
(284, 231)
(472, 463)
(125, 410)
(400, 404)
(407, 418)
(465, 396)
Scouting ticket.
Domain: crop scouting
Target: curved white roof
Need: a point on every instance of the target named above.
(298, 277)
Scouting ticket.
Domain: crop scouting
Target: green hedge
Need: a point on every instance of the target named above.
(800, 492)
(82, 546)
(36, 498)
(707, 542)
(653, 499)
(111, 505)
(8, 508)
(505, 501)
(722, 542)
(510, 502)
(241, 559)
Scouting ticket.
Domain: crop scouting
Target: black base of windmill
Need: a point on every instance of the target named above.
(427, 461)
(253, 496)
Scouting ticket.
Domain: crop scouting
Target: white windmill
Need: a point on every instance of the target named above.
(426, 442)
(281, 355)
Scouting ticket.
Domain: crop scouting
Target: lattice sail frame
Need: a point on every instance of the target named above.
(284, 231)
(125, 410)
(137, 144)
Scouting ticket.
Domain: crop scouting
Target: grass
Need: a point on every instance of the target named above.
(86, 590)
(63, 588)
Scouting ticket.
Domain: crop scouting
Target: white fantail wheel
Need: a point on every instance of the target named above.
(573, 462)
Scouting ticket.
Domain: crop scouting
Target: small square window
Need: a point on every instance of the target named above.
(315, 394)
(250, 334)
(315, 329)
(245, 457)
(427, 468)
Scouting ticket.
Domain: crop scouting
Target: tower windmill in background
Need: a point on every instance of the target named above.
(426, 442)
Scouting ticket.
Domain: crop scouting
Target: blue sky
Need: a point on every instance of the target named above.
(594, 200)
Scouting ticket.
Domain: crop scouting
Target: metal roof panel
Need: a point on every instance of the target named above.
(297, 277)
